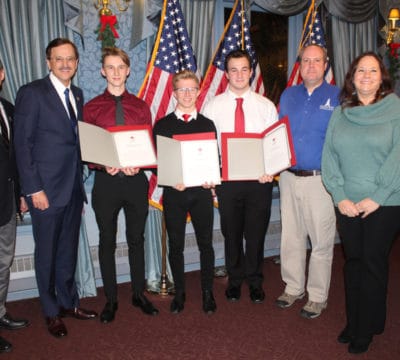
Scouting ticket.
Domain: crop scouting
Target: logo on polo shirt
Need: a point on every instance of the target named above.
(327, 105)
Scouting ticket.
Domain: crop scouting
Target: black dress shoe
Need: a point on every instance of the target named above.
(78, 313)
(139, 300)
(359, 345)
(178, 303)
(56, 326)
(8, 323)
(232, 293)
(257, 295)
(108, 313)
(209, 305)
(5, 346)
(345, 337)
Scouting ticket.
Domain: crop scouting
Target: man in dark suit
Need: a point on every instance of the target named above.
(50, 168)
(10, 201)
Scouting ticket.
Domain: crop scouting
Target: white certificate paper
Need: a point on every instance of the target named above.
(124, 146)
(191, 162)
(248, 156)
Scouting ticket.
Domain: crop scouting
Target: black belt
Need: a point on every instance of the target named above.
(305, 172)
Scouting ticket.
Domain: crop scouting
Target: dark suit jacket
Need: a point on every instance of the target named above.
(46, 147)
(8, 171)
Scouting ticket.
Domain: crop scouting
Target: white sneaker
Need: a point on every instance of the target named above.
(312, 309)
(286, 300)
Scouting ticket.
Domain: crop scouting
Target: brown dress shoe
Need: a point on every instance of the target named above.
(56, 326)
(78, 313)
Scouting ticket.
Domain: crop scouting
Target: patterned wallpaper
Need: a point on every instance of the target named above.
(89, 77)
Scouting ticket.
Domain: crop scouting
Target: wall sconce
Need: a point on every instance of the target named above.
(103, 5)
(393, 17)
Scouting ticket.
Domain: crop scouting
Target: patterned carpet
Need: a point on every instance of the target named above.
(241, 330)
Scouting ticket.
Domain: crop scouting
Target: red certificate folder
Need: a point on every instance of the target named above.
(189, 159)
(118, 146)
(247, 156)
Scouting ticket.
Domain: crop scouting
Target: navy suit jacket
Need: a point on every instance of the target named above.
(8, 171)
(46, 146)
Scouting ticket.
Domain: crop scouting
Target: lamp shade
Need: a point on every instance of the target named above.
(394, 14)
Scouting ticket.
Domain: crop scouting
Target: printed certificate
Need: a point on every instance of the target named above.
(119, 146)
(248, 156)
(190, 159)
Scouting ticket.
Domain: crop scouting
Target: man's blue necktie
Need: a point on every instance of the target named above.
(71, 110)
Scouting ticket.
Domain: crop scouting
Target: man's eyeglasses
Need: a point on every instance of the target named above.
(190, 90)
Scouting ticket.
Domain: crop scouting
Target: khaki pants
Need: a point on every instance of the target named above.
(307, 211)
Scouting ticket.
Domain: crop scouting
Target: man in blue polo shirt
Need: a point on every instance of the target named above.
(306, 208)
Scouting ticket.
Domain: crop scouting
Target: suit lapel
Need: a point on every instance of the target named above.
(54, 98)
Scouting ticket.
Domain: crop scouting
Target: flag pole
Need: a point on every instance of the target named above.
(164, 282)
(311, 12)
(242, 23)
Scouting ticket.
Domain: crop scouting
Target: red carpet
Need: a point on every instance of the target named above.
(241, 330)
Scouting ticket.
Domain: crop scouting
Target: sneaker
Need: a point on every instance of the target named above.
(286, 300)
(312, 309)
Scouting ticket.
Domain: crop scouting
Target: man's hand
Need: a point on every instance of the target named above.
(265, 178)
(130, 171)
(112, 170)
(40, 201)
(180, 187)
(23, 206)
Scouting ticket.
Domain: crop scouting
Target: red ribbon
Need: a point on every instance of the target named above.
(393, 49)
(110, 20)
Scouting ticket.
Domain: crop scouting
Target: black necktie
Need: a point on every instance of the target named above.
(4, 130)
(71, 110)
(119, 111)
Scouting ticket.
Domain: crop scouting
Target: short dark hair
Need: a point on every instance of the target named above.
(348, 94)
(237, 54)
(114, 51)
(1, 65)
(58, 42)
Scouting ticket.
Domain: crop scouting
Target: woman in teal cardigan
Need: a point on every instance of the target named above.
(361, 170)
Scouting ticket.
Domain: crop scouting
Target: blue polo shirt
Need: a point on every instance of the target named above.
(309, 117)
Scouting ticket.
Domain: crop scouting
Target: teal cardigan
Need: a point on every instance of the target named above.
(361, 154)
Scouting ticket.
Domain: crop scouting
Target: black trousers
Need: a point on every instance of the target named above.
(199, 204)
(111, 194)
(245, 210)
(367, 243)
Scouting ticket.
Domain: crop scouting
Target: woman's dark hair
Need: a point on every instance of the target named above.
(348, 94)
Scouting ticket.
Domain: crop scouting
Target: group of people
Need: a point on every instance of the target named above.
(347, 147)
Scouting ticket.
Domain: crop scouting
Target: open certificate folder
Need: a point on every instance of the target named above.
(247, 156)
(118, 146)
(189, 159)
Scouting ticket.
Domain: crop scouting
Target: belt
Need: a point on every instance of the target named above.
(305, 172)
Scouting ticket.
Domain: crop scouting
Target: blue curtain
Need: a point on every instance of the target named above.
(26, 27)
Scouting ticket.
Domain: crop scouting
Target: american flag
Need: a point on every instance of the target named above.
(313, 33)
(172, 53)
(236, 36)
